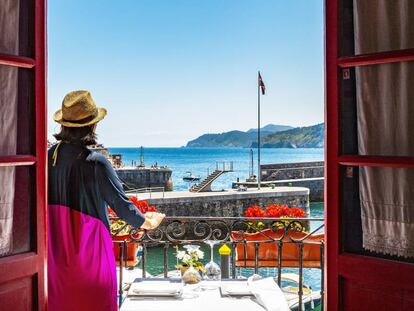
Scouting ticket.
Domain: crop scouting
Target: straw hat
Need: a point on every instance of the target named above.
(78, 110)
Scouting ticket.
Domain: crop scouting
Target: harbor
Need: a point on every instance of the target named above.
(212, 201)
(201, 162)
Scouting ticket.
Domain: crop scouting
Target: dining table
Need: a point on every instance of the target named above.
(206, 295)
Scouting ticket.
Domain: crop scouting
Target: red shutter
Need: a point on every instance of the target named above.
(23, 281)
(356, 280)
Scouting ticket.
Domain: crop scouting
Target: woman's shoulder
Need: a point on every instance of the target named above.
(99, 159)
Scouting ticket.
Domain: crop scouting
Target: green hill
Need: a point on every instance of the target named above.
(300, 137)
(271, 128)
(235, 138)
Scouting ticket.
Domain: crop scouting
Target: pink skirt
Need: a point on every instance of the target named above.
(81, 262)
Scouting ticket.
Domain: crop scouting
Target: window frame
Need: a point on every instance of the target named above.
(33, 264)
(339, 265)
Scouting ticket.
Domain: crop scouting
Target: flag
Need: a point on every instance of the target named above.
(261, 84)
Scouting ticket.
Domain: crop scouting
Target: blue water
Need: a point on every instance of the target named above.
(312, 276)
(199, 160)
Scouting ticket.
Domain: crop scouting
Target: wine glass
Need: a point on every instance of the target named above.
(212, 270)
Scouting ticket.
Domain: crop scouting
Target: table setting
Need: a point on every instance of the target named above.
(173, 294)
(201, 288)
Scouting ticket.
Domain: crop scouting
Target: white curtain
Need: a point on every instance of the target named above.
(385, 108)
(9, 44)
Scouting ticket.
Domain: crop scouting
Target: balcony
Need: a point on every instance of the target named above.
(284, 248)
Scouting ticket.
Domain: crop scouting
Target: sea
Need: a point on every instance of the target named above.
(200, 161)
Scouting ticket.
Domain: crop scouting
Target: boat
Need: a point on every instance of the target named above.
(191, 177)
(311, 299)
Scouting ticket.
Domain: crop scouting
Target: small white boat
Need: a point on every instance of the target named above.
(311, 299)
(190, 177)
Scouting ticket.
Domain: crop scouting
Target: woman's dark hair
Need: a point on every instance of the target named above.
(77, 135)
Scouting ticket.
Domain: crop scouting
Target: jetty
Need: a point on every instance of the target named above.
(138, 177)
(231, 203)
(221, 167)
(299, 174)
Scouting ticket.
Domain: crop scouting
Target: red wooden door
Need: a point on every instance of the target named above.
(359, 278)
(23, 147)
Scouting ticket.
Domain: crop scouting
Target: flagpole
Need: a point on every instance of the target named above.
(258, 132)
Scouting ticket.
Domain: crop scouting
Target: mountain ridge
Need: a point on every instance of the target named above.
(273, 128)
(273, 136)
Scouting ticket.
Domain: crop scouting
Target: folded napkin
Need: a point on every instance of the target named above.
(268, 293)
(156, 288)
(236, 288)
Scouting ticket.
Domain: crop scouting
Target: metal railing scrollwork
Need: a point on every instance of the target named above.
(291, 243)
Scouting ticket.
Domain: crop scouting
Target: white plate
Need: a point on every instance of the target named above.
(156, 288)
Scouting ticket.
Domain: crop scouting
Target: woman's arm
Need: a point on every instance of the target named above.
(114, 194)
(152, 220)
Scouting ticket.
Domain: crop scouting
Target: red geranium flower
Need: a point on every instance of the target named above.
(254, 211)
(276, 210)
(296, 212)
(141, 205)
(111, 213)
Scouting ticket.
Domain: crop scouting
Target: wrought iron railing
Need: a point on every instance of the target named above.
(224, 166)
(291, 241)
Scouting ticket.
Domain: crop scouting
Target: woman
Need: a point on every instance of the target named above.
(81, 263)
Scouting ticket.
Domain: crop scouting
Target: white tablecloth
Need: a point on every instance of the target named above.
(194, 298)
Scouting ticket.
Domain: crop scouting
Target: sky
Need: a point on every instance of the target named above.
(169, 71)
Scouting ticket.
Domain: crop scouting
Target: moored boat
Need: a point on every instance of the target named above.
(191, 177)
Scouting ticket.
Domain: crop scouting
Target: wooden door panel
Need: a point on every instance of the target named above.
(358, 296)
(386, 273)
(408, 301)
(23, 284)
(17, 295)
(356, 279)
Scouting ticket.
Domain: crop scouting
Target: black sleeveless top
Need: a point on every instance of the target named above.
(85, 181)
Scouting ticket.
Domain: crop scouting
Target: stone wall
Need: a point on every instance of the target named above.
(292, 170)
(315, 185)
(229, 205)
(301, 174)
(136, 177)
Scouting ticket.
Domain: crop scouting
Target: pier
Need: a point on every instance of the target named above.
(300, 174)
(231, 203)
(135, 177)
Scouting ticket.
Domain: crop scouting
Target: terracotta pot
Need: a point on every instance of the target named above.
(184, 268)
(191, 276)
(131, 252)
(268, 253)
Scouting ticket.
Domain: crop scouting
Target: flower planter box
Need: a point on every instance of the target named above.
(131, 252)
(120, 227)
(268, 253)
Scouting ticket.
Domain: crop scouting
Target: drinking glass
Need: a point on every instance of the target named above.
(212, 270)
